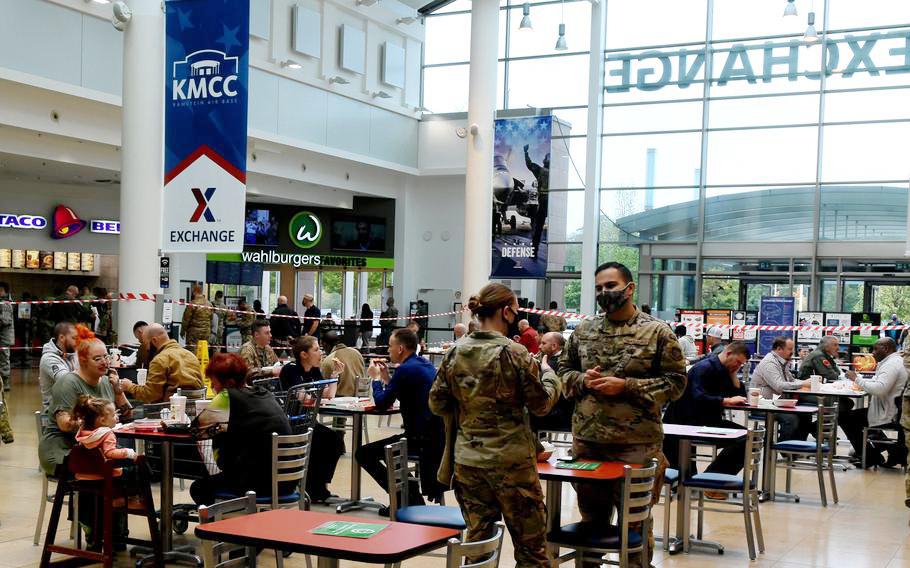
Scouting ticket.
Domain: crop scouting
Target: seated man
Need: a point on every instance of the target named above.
(560, 418)
(173, 367)
(712, 384)
(885, 387)
(773, 377)
(411, 386)
(823, 361)
(258, 354)
(352, 359)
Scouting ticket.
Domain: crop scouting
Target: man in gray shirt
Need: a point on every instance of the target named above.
(773, 377)
(57, 359)
(886, 386)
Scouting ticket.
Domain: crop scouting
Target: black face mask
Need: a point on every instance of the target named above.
(611, 301)
(513, 327)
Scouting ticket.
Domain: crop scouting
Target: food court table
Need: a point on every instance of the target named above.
(290, 530)
(686, 435)
(357, 412)
(769, 456)
(860, 398)
(166, 502)
(554, 477)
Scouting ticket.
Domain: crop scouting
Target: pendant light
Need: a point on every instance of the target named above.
(790, 9)
(561, 40)
(526, 18)
(811, 35)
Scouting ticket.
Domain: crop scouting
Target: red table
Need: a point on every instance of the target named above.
(166, 502)
(289, 530)
(686, 434)
(555, 477)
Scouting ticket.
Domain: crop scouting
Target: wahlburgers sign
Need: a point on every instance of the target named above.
(298, 260)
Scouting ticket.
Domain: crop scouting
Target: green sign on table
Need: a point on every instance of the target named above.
(585, 466)
(352, 530)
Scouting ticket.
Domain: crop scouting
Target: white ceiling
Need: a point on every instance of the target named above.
(24, 168)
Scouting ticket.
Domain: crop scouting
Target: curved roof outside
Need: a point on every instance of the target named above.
(855, 212)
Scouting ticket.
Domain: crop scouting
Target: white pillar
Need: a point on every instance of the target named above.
(591, 230)
(350, 307)
(363, 291)
(141, 168)
(481, 114)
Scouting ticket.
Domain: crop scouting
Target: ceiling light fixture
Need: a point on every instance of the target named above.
(381, 95)
(526, 18)
(407, 20)
(790, 8)
(561, 40)
(290, 64)
(811, 35)
(339, 79)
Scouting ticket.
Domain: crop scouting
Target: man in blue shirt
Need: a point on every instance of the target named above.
(410, 385)
(712, 384)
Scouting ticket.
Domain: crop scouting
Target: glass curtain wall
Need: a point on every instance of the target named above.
(724, 133)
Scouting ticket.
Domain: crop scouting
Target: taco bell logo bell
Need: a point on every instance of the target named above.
(205, 76)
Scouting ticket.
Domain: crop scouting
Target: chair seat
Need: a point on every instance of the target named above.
(716, 481)
(799, 446)
(264, 500)
(671, 476)
(592, 536)
(432, 515)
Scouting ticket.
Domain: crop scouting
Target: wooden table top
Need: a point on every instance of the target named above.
(289, 529)
(606, 471)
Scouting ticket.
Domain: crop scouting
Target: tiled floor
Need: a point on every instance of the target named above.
(868, 529)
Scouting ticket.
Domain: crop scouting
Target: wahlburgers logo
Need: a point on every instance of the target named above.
(305, 230)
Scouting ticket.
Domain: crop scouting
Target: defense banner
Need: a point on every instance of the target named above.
(521, 183)
(205, 125)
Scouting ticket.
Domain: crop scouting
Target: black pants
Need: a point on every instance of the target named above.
(371, 458)
(729, 460)
(793, 426)
(853, 423)
(328, 446)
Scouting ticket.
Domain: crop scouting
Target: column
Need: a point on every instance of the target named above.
(351, 307)
(591, 230)
(481, 114)
(141, 148)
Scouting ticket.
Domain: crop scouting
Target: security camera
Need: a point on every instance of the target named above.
(122, 15)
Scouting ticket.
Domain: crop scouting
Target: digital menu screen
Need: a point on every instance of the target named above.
(18, 259)
(32, 259)
(6, 258)
(88, 262)
(59, 261)
(46, 260)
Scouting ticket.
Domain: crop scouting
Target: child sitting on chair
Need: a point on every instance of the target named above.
(98, 417)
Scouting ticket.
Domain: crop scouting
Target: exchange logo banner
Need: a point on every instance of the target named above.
(205, 116)
(521, 196)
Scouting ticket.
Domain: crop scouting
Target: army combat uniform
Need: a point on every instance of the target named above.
(7, 337)
(626, 427)
(245, 323)
(197, 322)
(482, 388)
(258, 358)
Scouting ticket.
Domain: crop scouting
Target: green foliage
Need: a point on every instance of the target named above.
(720, 293)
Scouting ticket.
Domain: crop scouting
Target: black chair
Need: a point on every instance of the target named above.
(881, 434)
(104, 490)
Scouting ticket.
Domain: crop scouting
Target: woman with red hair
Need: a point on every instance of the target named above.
(94, 378)
(243, 451)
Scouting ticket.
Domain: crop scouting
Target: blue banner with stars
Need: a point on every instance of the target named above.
(205, 131)
(521, 196)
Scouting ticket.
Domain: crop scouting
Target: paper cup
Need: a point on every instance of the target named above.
(141, 376)
(201, 405)
(754, 396)
(815, 382)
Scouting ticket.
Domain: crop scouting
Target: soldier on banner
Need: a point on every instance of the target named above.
(621, 368)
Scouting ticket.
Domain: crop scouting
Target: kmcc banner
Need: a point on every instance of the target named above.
(205, 125)
(521, 183)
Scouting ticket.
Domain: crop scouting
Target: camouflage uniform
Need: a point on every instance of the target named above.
(483, 386)
(7, 337)
(197, 322)
(553, 323)
(626, 427)
(245, 323)
(257, 357)
(221, 315)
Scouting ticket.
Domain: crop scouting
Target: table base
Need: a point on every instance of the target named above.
(185, 554)
(354, 504)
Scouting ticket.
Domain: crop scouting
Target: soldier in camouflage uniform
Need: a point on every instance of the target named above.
(258, 354)
(197, 320)
(485, 383)
(621, 367)
(243, 321)
(7, 338)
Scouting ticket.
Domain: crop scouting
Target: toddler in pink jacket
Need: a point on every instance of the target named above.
(98, 418)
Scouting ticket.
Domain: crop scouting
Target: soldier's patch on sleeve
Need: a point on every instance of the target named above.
(676, 353)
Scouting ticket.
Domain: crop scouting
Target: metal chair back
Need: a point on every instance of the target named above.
(271, 384)
(827, 431)
(301, 406)
(458, 552)
(396, 459)
(755, 441)
(638, 492)
(290, 461)
(214, 551)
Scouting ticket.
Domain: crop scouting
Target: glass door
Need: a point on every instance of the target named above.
(720, 293)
